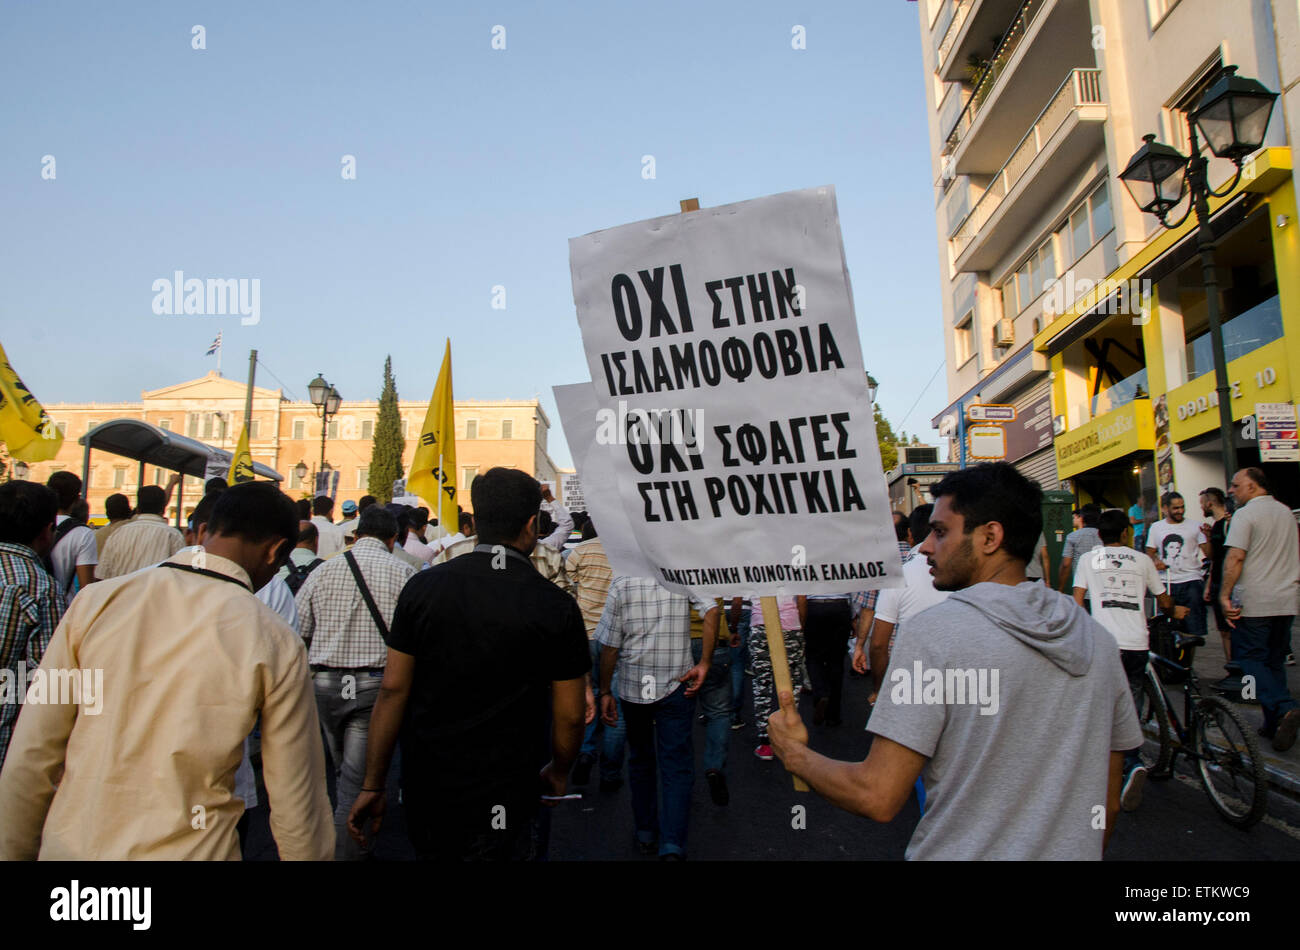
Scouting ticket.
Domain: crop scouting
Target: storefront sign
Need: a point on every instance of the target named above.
(1032, 429)
(1259, 376)
(1108, 437)
(1276, 424)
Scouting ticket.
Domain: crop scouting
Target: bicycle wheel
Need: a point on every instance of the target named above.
(1229, 763)
(1153, 712)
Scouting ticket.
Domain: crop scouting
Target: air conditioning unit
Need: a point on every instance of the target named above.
(1005, 332)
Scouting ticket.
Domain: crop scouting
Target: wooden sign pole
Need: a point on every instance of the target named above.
(771, 612)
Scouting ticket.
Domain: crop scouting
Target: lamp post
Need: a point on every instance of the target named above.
(872, 387)
(326, 399)
(1233, 116)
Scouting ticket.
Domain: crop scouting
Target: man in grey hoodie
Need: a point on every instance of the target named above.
(1007, 695)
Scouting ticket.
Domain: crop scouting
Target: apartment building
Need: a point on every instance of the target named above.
(1060, 296)
(284, 433)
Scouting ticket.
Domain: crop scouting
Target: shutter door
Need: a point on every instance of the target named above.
(1041, 467)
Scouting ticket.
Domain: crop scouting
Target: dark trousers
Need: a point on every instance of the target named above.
(659, 740)
(442, 831)
(1191, 594)
(826, 635)
(1135, 668)
(1260, 646)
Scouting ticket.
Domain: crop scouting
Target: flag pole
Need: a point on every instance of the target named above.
(771, 612)
(219, 347)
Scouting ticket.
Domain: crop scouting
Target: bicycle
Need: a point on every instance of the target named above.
(1215, 736)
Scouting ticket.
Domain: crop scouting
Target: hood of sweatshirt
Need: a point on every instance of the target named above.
(1046, 620)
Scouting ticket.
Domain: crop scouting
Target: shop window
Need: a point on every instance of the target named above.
(964, 339)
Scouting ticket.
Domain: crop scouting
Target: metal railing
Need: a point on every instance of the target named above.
(1006, 48)
(1081, 87)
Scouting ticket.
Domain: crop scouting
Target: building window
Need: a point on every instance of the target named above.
(119, 477)
(294, 480)
(207, 425)
(299, 429)
(192, 425)
(964, 338)
(471, 428)
(254, 428)
(63, 428)
(165, 425)
(404, 428)
(157, 476)
(91, 424)
(334, 429)
(368, 430)
(507, 428)
(467, 474)
(363, 477)
(1099, 211)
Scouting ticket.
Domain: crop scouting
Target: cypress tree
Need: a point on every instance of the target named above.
(386, 451)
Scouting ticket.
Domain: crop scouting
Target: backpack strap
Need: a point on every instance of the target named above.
(375, 615)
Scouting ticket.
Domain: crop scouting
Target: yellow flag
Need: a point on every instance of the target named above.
(30, 434)
(241, 463)
(433, 470)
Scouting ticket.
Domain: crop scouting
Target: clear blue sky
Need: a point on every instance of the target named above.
(474, 167)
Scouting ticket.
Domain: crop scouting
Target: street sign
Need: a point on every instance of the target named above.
(977, 412)
(987, 443)
(1276, 424)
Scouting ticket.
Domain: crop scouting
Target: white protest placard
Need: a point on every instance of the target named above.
(571, 486)
(732, 398)
(595, 464)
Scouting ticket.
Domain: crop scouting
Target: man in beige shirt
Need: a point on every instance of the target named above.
(143, 541)
(136, 758)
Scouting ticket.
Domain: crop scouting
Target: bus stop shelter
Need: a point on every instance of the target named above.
(150, 445)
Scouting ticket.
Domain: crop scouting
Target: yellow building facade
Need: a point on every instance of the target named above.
(1133, 383)
(509, 433)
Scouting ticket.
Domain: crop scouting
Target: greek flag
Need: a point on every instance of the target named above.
(216, 345)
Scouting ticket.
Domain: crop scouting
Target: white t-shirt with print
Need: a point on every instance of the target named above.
(1178, 545)
(1117, 580)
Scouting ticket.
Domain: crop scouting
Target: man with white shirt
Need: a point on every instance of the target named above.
(1116, 579)
(897, 604)
(74, 554)
(417, 520)
(331, 538)
(1177, 547)
(349, 523)
(559, 515)
(143, 541)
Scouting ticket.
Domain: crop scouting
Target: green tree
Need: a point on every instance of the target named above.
(388, 446)
(885, 436)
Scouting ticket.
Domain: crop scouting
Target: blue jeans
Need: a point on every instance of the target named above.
(715, 704)
(659, 736)
(739, 661)
(609, 739)
(1260, 646)
(344, 706)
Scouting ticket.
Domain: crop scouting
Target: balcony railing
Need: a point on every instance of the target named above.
(960, 11)
(1121, 393)
(1006, 48)
(1081, 87)
(1260, 325)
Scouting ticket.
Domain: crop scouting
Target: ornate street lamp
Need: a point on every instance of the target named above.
(872, 387)
(1233, 116)
(325, 397)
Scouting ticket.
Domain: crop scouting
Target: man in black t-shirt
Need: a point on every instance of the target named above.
(486, 683)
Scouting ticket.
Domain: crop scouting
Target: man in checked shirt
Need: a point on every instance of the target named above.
(345, 619)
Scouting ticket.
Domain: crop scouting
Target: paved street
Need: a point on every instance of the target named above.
(1176, 821)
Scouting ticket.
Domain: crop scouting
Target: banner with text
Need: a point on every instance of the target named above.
(731, 398)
